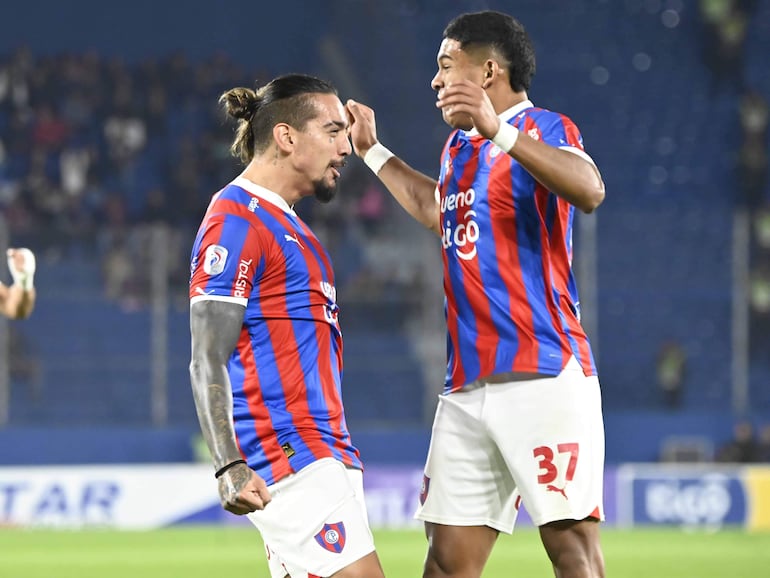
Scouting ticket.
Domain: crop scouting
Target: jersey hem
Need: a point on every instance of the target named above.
(225, 298)
(447, 521)
(570, 515)
(450, 387)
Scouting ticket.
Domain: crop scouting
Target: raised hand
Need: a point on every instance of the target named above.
(363, 128)
(463, 98)
(21, 263)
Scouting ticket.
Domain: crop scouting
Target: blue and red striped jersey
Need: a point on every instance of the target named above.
(286, 371)
(511, 298)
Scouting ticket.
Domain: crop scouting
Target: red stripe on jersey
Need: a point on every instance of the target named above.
(451, 318)
(243, 282)
(333, 400)
(505, 232)
(576, 330)
(224, 207)
(463, 184)
(487, 338)
(288, 364)
(207, 215)
(561, 279)
(542, 196)
(289, 368)
(571, 132)
(263, 425)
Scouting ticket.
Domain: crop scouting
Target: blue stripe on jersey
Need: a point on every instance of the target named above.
(571, 283)
(243, 421)
(237, 229)
(574, 347)
(551, 211)
(468, 334)
(305, 333)
(273, 393)
(497, 295)
(530, 253)
(267, 365)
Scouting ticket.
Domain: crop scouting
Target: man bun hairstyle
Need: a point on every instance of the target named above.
(501, 33)
(241, 103)
(285, 99)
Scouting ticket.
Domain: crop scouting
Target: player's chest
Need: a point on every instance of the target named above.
(296, 259)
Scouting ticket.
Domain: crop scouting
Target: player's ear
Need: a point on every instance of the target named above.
(490, 71)
(283, 137)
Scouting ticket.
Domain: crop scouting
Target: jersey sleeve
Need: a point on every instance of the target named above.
(559, 131)
(226, 261)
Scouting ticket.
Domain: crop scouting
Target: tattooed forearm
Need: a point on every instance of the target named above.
(215, 327)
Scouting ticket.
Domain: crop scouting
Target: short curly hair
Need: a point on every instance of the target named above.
(504, 34)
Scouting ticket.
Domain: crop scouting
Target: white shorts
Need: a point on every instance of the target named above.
(496, 445)
(316, 523)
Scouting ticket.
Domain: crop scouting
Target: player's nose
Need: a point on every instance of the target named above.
(346, 147)
(436, 83)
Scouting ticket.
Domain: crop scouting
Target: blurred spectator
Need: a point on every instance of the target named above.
(671, 366)
(48, 130)
(754, 114)
(763, 444)
(759, 300)
(761, 227)
(753, 155)
(759, 290)
(371, 206)
(94, 150)
(724, 28)
(25, 365)
(742, 448)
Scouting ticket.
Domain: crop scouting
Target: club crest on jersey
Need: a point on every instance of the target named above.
(215, 259)
(424, 489)
(332, 537)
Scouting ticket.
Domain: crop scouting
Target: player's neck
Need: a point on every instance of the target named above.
(503, 102)
(273, 177)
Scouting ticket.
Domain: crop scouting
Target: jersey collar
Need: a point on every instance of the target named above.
(506, 115)
(265, 194)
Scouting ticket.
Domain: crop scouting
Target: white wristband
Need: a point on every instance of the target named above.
(26, 277)
(377, 156)
(506, 136)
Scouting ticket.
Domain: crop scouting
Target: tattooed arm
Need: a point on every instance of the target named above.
(215, 327)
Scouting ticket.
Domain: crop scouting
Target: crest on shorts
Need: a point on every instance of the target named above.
(424, 489)
(332, 537)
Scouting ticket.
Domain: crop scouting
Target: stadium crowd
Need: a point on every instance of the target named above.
(94, 151)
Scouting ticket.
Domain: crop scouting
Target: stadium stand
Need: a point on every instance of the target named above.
(635, 82)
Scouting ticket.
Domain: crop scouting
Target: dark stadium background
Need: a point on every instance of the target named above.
(111, 144)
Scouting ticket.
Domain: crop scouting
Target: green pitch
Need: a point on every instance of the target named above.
(205, 552)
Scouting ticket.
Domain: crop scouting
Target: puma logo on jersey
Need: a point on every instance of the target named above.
(552, 488)
(293, 239)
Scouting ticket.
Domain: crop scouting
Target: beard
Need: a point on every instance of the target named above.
(323, 191)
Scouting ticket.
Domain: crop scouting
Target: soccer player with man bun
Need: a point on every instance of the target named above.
(17, 301)
(266, 363)
(520, 418)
